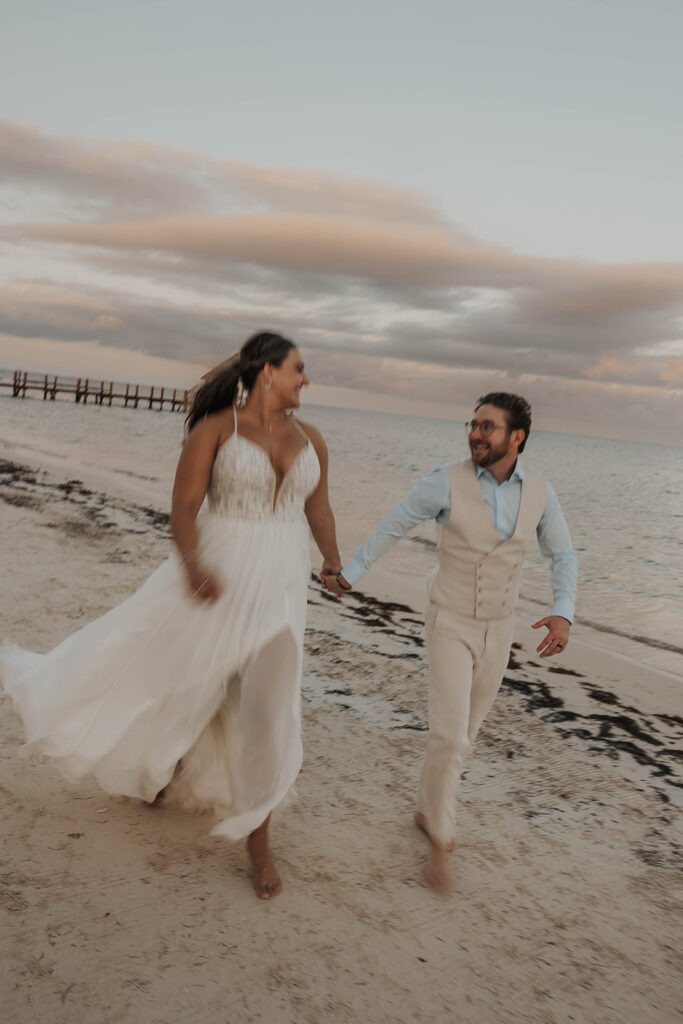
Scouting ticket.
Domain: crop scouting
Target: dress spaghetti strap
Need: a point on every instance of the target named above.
(299, 427)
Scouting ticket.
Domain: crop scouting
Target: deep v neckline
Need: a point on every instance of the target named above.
(277, 488)
(235, 436)
(255, 444)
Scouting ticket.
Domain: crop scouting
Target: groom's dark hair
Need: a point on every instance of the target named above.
(517, 410)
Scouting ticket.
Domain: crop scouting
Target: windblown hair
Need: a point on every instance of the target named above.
(220, 386)
(517, 409)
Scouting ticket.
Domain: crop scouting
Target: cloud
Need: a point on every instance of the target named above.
(145, 178)
(633, 411)
(184, 329)
(176, 254)
(539, 312)
(123, 177)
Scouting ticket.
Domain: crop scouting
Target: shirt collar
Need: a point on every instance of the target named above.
(517, 472)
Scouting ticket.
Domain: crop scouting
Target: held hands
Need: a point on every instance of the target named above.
(328, 578)
(557, 636)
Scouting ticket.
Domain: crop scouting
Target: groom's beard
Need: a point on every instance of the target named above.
(484, 453)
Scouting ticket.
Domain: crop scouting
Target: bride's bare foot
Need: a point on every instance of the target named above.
(437, 872)
(421, 823)
(266, 879)
(158, 799)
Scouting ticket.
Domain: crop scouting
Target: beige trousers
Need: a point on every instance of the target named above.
(467, 659)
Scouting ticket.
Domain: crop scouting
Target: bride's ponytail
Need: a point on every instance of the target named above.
(220, 386)
(218, 390)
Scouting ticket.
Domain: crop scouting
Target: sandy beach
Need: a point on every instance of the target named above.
(566, 860)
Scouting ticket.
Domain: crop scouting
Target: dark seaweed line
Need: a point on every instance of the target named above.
(372, 651)
(74, 492)
(537, 698)
(387, 617)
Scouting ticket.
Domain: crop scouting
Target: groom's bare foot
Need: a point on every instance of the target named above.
(421, 823)
(265, 877)
(437, 872)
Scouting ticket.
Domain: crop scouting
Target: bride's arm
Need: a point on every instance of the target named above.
(318, 511)
(189, 490)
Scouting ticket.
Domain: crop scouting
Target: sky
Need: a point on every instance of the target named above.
(433, 200)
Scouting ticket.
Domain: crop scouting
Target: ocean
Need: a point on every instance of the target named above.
(623, 501)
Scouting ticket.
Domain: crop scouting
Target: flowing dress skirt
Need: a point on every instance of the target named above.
(162, 677)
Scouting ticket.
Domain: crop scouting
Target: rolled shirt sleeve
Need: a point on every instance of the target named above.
(431, 499)
(555, 544)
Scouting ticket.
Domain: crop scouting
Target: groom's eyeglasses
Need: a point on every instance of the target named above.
(485, 427)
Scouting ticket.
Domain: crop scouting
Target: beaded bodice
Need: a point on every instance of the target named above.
(244, 483)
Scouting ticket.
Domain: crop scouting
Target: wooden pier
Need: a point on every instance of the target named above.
(23, 384)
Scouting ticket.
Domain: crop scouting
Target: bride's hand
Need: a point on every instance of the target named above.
(203, 586)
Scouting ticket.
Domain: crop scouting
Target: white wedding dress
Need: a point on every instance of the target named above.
(162, 677)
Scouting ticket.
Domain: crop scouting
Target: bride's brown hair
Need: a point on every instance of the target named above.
(219, 386)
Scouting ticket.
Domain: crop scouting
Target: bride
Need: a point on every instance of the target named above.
(193, 683)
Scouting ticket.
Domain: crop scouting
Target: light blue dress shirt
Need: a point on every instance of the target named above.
(431, 499)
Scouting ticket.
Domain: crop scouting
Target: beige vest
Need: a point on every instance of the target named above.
(478, 573)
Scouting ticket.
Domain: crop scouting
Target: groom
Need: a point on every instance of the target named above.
(489, 507)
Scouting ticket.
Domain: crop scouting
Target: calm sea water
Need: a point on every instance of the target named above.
(623, 501)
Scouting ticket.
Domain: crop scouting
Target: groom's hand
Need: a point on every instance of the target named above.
(557, 637)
